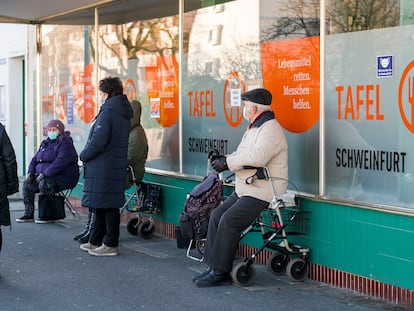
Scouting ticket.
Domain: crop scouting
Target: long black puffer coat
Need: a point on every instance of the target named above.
(9, 182)
(105, 155)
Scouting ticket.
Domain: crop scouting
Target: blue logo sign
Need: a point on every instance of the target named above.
(384, 66)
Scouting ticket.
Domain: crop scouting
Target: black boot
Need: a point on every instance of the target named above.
(86, 230)
(85, 238)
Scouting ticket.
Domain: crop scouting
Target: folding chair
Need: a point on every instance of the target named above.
(67, 193)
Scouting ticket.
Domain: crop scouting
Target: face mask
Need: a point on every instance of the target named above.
(52, 135)
(245, 110)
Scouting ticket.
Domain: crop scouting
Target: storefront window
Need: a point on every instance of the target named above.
(369, 101)
(290, 64)
(144, 54)
(221, 59)
(231, 47)
(68, 90)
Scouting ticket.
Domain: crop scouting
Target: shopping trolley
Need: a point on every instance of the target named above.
(144, 203)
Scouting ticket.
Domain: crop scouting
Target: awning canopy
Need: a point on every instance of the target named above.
(81, 12)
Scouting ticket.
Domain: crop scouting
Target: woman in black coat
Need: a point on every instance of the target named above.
(105, 168)
(9, 182)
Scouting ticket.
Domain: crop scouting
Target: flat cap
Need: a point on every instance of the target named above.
(258, 96)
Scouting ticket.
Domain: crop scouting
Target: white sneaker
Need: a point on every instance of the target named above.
(43, 221)
(104, 250)
(87, 246)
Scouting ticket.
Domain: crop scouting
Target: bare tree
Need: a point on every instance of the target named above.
(356, 15)
(300, 19)
(156, 36)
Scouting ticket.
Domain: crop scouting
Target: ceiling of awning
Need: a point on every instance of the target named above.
(81, 12)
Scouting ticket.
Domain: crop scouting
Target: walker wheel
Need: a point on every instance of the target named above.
(277, 263)
(132, 226)
(243, 274)
(146, 229)
(297, 269)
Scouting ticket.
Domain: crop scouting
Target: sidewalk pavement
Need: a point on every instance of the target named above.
(42, 268)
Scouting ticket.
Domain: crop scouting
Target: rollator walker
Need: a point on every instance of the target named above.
(288, 258)
(144, 203)
(272, 223)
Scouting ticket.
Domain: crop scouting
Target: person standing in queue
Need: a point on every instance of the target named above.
(105, 167)
(263, 144)
(137, 146)
(9, 182)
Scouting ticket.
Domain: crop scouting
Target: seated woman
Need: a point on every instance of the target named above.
(53, 168)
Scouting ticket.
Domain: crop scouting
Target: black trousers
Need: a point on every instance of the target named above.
(226, 223)
(106, 228)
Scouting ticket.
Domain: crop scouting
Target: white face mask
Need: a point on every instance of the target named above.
(102, 98)
(246, 109)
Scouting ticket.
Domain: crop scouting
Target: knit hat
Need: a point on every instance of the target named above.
(258, 96)
(56, 123)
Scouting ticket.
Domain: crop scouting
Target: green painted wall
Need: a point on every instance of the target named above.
(369, 243)
(374, 244)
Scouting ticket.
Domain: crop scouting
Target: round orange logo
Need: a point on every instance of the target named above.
(406, 96)
(291, 74)
(233, 114)
(130, 89)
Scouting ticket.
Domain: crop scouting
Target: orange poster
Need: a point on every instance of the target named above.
(291, 73)
(162, 87)
(84, 92)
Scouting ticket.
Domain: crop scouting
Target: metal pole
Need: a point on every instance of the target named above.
(180, 110)
(322, 101)
(38, 121)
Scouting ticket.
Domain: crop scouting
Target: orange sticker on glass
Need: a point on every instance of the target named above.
(162, 87)
(130, 90)
(83, 93)
(233, 113)
(291, 73)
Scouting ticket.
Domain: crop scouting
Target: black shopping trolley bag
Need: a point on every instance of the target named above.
(200, 202)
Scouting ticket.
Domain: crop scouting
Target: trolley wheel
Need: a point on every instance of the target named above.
(277, 263)
(132, 226)
(200, 246)
(243, 274)
(146, 229)
(297, 269)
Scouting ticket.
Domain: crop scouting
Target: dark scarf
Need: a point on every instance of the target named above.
(262, 118)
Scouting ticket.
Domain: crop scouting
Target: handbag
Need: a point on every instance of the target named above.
(51, 207)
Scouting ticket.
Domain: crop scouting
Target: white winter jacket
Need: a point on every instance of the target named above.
(261, 146)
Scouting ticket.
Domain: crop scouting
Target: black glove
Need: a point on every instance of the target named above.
(30, 178)
(214, 154)
(40, 178)
(219, 164)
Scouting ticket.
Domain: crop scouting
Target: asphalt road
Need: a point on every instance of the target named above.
(42, 268)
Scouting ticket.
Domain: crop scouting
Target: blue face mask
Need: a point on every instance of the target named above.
(52, 135)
